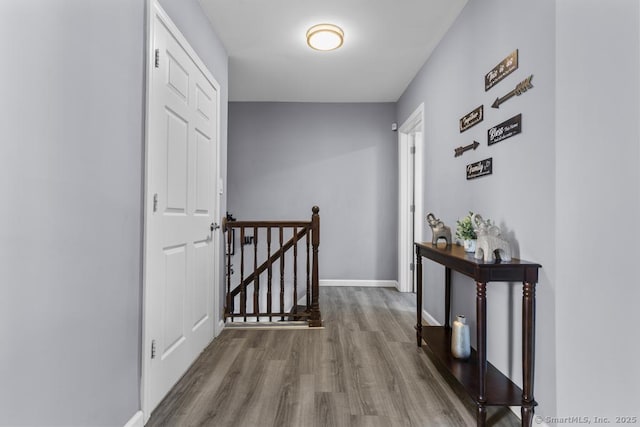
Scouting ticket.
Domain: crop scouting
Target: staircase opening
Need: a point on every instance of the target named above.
(272, 272)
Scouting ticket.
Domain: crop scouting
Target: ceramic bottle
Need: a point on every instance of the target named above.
(460, 341)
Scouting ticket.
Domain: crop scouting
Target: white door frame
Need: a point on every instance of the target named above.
(155, 10)
(410, 181)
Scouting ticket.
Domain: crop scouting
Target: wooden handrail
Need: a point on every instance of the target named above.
(265, 224)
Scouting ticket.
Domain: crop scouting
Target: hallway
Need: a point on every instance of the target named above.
(362, 369)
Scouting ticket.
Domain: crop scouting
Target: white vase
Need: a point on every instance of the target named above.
(460, 341)
(469, 245)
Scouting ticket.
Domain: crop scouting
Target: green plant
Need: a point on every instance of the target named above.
(464, 228)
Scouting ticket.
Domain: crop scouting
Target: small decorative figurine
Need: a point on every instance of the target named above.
(489, 241)
(439, 230)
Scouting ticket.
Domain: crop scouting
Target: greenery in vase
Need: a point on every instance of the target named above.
(464, 228)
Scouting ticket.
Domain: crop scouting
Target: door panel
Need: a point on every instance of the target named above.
(177, 76)
(176, 158)
(204, 103)
(174, 284)
(201, 286)
(203, 171)
(181, 178)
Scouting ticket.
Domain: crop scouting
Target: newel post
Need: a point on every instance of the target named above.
(226, 227)
(316, 319)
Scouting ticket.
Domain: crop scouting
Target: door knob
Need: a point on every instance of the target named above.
(214, 226)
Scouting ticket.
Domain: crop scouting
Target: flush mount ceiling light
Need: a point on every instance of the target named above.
(325, 37)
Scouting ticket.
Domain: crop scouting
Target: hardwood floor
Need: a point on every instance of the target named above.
(362, 370)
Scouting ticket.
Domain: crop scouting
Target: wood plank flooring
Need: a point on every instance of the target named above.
(362, 370)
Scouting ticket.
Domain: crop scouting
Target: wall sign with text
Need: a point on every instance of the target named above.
(481, 168)
(507, 66)
(471, 119)
(505, 130)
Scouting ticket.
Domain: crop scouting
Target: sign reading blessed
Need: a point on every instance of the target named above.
(505, 130)
(481, 168)
(472, 119)
(507, 66)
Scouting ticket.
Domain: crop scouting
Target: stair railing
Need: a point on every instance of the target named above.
(245, 300)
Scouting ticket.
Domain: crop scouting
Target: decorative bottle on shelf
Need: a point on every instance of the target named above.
(460, 341)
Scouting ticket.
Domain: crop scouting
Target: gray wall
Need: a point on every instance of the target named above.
(597, 204)
(576, 161)
(286, 157)
(71, 178)
(520, 195)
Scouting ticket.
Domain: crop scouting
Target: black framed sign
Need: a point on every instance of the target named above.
(507, 66)
(471, 119)
(481, 168)
(505, 130)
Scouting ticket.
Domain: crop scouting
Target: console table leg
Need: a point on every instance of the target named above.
(481, 330)
(447, 297)
(481, 415)
(419, 296)
(528, 350)
(527, 415)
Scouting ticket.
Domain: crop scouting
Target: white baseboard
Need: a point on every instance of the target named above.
(426, 317)
(136, 421)
(361, 283)
(220, 327)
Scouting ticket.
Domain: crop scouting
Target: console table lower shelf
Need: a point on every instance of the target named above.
(500, 390)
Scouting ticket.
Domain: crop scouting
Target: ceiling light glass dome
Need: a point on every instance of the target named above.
(325, 37)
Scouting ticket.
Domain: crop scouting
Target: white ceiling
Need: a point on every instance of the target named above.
(386, 43)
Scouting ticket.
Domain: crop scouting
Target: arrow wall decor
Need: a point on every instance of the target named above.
(521, 88)
(460, 150)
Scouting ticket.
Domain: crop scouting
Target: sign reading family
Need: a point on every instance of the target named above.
(507, 66)
(481, 168)
(472, 119)
(505, 130)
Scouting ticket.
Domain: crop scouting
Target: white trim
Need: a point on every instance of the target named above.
(155, 10)
(136, 421)
(410, 134)
(360, 283)
(426, 317)
(292, 324)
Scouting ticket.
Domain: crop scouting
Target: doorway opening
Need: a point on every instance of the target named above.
(411, 170)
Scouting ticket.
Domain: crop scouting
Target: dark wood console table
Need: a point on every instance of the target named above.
(483, 382)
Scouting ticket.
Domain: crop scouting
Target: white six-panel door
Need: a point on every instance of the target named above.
(181, 198)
